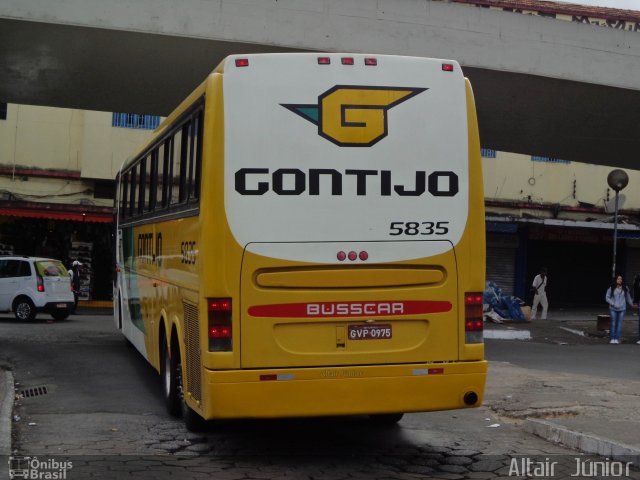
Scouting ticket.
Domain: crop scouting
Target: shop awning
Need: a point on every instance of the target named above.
(96, 217)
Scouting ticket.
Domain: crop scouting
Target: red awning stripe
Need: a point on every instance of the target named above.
(58, 215)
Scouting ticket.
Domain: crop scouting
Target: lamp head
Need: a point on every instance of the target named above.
(617, 179)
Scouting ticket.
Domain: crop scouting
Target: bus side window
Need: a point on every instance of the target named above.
(124, 190)
(132, 191)
(184, 163)
(175, 168)
(142, 187)
(152, 169)
(196, 156)
(162, 158)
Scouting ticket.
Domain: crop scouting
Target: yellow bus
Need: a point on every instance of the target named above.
(304, 236)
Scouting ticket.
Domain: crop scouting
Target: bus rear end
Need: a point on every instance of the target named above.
(354, 220)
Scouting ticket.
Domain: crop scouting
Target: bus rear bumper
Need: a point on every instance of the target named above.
(304, 392)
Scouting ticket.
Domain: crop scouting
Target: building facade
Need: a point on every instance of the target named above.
(546, 212)
(57, 170)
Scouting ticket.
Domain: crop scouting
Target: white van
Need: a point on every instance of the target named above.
(29, 285)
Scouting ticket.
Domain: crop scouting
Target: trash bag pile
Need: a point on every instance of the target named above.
(498, 307)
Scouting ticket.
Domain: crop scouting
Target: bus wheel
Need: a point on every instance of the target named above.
(386, 419)
(171, 380)
(193, 421)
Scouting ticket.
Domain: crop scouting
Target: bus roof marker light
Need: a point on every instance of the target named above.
(447, 67)
(347, 61)
(372, 62)
(363, 255)
(242, 62)
(341, 256)
(353, 256)
(324, 61)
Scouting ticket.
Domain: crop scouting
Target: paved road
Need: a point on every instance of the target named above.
(594, 360)
(103, 412)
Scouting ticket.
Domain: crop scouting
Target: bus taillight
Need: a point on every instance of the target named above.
(473, 321)
(220, 332)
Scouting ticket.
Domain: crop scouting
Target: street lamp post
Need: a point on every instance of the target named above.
(617, 180)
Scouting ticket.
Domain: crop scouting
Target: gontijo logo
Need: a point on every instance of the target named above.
(353, 116)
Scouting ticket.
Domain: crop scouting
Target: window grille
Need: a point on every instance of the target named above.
(535, 158)
(487, 153)
(134, 120)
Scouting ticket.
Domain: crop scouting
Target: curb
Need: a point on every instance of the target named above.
(586, 443)
(507, 334)
(6, 409)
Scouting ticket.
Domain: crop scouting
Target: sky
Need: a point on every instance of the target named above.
(624, 4)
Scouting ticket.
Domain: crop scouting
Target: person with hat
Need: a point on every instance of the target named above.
(74, 273)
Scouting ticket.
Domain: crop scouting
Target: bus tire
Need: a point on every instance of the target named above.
(386, 419)
(192, 420)
(171, 379)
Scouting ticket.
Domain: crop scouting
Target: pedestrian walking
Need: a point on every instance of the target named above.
(618, 296)
(539, 288)
(74, 272)
(636, 300)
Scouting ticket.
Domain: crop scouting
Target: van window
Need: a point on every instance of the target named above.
(14, 268)
(51, 268)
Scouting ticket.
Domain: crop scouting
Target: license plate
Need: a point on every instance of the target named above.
(369, 332)
(61, 305)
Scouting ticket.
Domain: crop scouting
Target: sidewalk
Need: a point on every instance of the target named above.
(6, 406)
(590, 414)
(568, 325)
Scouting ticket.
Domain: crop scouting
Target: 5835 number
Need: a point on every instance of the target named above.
(418, 228)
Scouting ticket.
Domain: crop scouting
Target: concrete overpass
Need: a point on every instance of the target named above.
(542, 86)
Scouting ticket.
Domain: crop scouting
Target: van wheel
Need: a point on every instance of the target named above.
(386, 419)
(24, 309)
(59, 316)
(171, 380)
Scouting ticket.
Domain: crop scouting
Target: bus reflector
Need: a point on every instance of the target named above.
(324, 60)
(428, 371)
(371, 61)
(347, 60)
(447, 67)
(281, 376)
(473, 317)
(242, 62)
(220, 332)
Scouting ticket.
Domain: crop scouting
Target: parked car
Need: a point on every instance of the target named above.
(29, 285)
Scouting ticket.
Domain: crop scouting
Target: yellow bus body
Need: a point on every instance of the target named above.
(293, 366)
